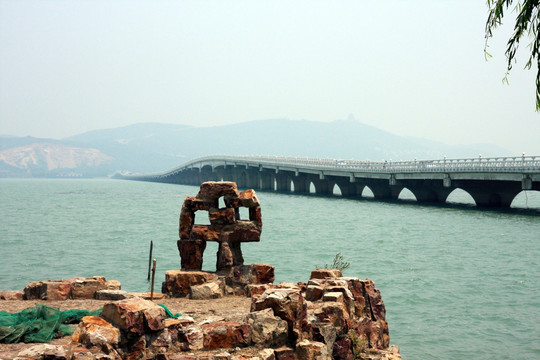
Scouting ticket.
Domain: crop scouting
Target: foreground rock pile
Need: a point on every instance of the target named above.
(329, 317)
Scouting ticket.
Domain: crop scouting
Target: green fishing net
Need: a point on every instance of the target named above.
(39, 324)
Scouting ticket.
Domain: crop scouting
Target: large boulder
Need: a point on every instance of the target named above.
(11, 295)
(227, 334)
(178, 283)
(267, 329)
(211, 190)
(85, 288)
(311, 350)
(286, 303)
(48, 290)
(135, 315)
(206, 291)
(94, 330)
(325, 273)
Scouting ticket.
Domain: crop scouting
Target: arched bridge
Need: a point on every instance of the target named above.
(492, 182)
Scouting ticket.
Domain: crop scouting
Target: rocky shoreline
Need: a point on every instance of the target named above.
(329, 317)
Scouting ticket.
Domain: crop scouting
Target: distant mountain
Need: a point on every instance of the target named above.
(49, 158)
(151, 147)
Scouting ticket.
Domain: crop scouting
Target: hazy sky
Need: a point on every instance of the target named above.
(414, 68)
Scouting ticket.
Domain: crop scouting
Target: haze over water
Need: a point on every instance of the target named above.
(457, 283)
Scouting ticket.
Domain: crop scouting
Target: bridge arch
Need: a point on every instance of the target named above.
(407, 195)
(367, 192)
(460, 196)
(525, 198)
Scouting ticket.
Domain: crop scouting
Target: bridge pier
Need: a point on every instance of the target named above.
(382, 190)
(428, 191)
(253, 179)
(240, 178)
(266, 180)
(283, 182)
(301, 184)
(323, 187)
(347, 188)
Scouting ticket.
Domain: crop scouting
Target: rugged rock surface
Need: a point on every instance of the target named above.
(330, 318)
(75, 288)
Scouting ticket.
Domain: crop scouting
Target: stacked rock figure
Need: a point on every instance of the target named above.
(226, 227)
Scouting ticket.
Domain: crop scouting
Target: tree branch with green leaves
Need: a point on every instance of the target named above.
(527, 25)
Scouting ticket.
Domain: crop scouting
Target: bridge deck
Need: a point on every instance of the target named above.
(492, 182)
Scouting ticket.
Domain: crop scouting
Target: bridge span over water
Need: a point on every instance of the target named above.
(492, 182)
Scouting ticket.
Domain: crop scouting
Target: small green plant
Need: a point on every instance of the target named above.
(338, 263)
(358, 346)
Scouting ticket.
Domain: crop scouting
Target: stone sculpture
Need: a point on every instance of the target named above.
(225, 227)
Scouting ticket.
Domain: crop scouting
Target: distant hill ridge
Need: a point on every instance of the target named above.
(151, 147)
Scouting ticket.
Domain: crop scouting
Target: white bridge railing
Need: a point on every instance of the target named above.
(495, 164)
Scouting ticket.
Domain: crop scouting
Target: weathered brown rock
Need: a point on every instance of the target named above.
(178, 282)
(335, 314)
(288, 304)
(11, 295)
(146, 295)
(94, 330)
(342, 349)
(256, 290)
(333, 296)
(191, 254)
(206, 291)
(225, 257)
(214, 190)
(285, 353)
(85, 288)
(224, 216)
(187, 219)
(375, 300)
(267, 354)
(242, 231)
(135, 315)
(137, 350)
(225, 335)
(111, 295)
(253, 274)
(193, 337)
(314, 292)
(248, 198)
(267, 329)
(205, 232)
(325, 273)
(82, 353)
(48, 290)
(255, 215)
(45, 351)
(311, 350)
(374, 333)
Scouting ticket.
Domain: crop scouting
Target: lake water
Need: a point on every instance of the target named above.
(458, 283)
